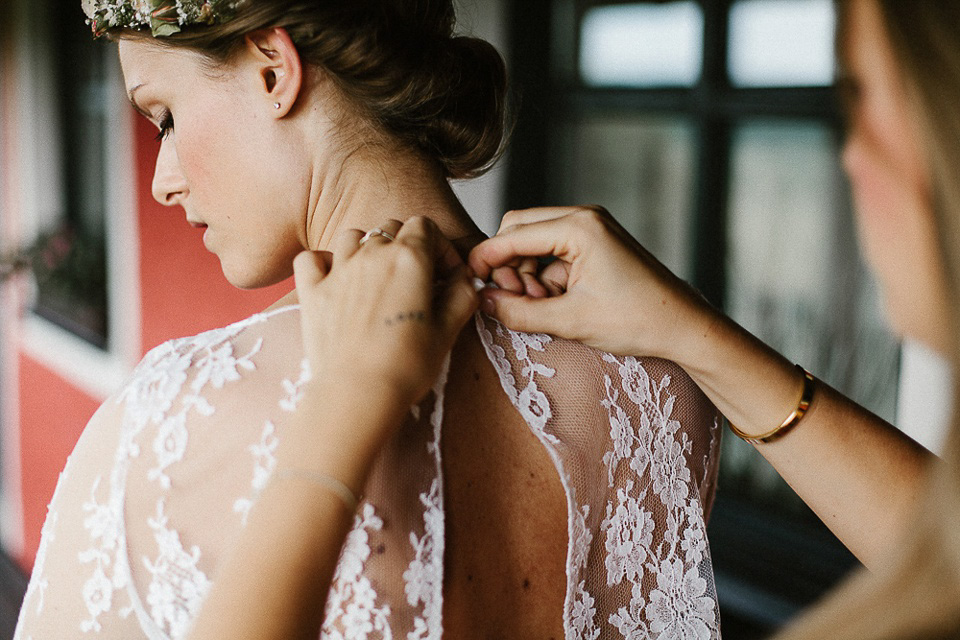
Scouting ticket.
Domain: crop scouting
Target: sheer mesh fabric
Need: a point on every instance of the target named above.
(167, 470)
(635, 443)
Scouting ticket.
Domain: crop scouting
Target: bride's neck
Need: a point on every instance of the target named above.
(364, 192)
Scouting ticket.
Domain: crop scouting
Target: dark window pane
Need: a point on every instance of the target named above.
(642, 169)
(72, 269)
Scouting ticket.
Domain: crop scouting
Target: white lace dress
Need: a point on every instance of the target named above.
(167, 471)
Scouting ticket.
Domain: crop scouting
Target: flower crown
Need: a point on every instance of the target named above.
(163, 17)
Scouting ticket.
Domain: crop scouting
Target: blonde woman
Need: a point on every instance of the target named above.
(538, 488)
(884, 496)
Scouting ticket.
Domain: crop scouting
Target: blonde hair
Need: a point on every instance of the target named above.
(918, 594)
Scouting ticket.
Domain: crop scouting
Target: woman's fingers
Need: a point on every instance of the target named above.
(523, 313)
(311, 267)
(550, 238)
(507, 278)
(555, 278)
(529, 272)
(458, 303)
(346, 243)
(456, 298)
(542, 214)
(388, 232)
(424, 235)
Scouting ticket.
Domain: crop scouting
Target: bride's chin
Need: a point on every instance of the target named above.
(246, 278)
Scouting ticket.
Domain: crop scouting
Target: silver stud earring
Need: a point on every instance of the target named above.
(276, 105)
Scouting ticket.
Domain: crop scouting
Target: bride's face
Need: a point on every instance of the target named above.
(892, 191)
(223, 159)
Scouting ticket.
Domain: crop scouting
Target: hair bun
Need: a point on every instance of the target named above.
(398, 61)
(465, 113)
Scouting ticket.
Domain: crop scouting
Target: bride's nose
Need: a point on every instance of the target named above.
(169, 185)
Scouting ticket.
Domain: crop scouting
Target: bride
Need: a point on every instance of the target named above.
(541, 489)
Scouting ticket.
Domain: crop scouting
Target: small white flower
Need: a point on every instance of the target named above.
(629, 530)
(583, 615)
(535, 407)
(98, 593)
(679, 608)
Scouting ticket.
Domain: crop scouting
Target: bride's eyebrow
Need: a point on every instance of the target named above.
(132, 97)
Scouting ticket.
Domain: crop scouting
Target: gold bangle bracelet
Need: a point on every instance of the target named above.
(809, 385)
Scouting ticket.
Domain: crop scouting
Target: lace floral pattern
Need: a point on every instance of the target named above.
(652, 529)
(352, 612)
(156, 388)
(110, 570)
(264, 463)
(177, 586)
(423, 578)
(634, 469)
(294, 389)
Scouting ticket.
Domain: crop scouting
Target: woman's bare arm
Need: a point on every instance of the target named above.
(275, 581)
(377, 327)
(858, 473)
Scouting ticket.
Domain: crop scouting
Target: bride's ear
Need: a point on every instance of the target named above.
(274, 58)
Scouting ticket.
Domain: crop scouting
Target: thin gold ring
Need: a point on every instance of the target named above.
(373, 233)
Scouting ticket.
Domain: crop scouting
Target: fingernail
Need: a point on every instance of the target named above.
(479, 285)
(488, 305)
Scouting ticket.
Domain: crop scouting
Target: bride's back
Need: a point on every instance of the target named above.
(565, 492)
(506, 511)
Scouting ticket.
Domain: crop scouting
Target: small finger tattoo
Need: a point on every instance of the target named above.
(412, 316)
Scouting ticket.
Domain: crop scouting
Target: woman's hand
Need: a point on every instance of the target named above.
(858, 473)
(603, 289)
(382, 317)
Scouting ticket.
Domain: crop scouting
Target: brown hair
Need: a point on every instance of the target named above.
(918, 594)
(398, 61)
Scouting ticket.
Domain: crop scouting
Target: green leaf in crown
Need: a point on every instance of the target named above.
(164, 18)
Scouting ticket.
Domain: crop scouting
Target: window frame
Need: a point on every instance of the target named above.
(98, 372)
(544, 34)
(713, 104)
(11, 531)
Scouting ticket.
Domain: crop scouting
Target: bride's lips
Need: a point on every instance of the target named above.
(199, 225)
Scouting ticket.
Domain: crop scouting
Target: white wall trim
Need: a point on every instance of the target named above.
(123, 235)
(92, 370)
(96, 372)
(11, 496)
(925, 402)
(11, 196)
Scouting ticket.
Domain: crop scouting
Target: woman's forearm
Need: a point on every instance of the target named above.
(858, 473)
(377, 329)
(275, 581)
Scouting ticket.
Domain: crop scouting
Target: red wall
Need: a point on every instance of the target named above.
(52, 416)
(183, 292)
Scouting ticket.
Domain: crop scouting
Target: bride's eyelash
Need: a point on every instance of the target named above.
(166, 125)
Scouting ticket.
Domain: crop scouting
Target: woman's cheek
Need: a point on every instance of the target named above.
(196, 149)
(873, 189)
